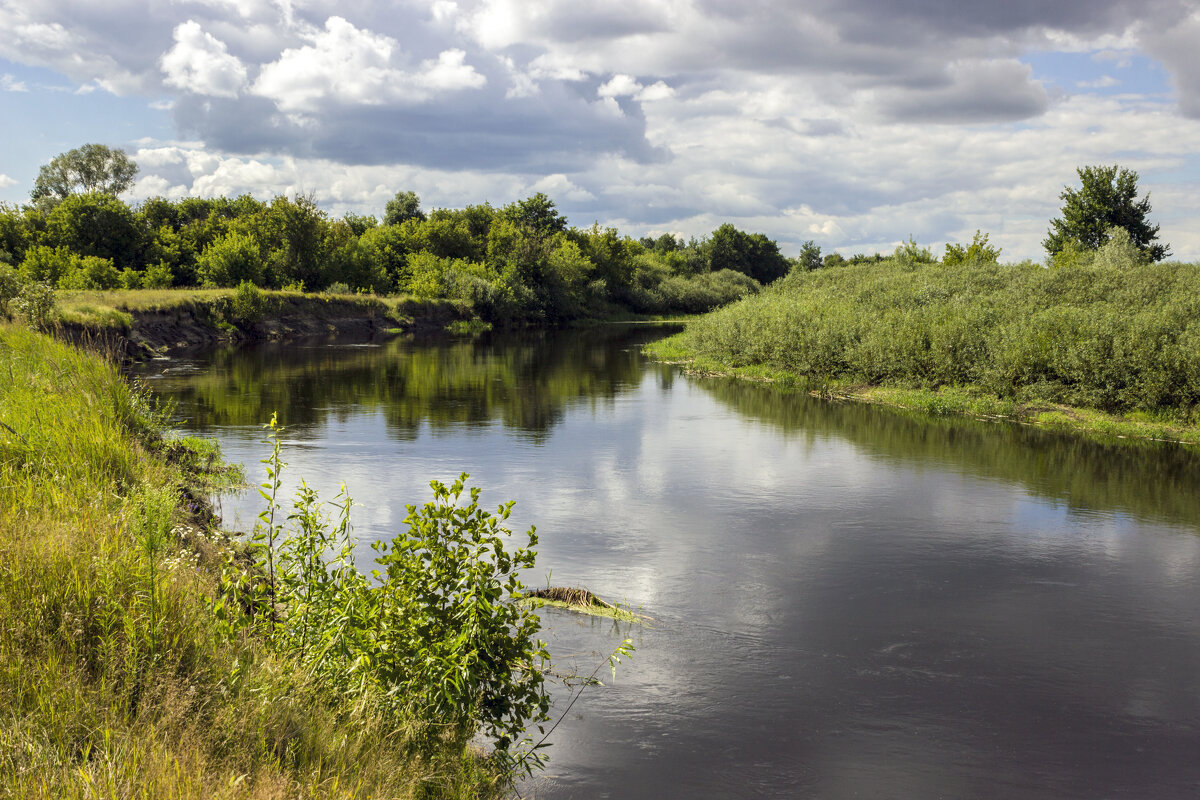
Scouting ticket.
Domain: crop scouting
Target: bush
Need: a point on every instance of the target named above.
(130, 278)
(249, 303)
(438, 628)
(36, 304)
(158, 276)
(230, 260)
(90, 272)
(10, 286)
(47, 264)
(1101, 335)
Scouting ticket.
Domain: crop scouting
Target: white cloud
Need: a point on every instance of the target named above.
(449, 72)
(560, 187)
(6, 181)
(345, 65)
(202, 64)
(619, 86)
(10, 84)
(656, 91)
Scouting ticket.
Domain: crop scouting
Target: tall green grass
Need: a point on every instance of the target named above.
(1116, 338)
(116, 679)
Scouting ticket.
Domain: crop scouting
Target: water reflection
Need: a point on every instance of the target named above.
(848, 601)
(524, 382)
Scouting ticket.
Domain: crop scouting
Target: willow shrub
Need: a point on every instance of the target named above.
(1114, 336)
(437, 629)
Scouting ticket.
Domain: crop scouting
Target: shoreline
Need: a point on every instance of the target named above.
(141, 324)
(961, 401)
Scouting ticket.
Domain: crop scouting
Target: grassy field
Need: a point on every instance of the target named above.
(1107, 350)
(116, 680)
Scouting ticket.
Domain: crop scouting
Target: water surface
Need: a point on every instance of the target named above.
(848, 601)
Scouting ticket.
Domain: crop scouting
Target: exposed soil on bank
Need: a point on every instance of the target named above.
(190, 322)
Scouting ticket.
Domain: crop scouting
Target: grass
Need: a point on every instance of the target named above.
(115, 679)
(1107, 351)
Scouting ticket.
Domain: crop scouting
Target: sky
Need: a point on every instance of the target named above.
(854, 123)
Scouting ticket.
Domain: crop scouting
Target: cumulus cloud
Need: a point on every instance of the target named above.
(345, 65)
(855, 122)
(1176, 46)
(201, 64)
(6, 181)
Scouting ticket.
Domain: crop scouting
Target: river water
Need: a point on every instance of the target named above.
(847, 601)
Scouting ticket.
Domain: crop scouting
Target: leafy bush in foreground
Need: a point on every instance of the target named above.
(436, 630)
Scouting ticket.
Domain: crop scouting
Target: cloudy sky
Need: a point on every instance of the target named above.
(855, 123)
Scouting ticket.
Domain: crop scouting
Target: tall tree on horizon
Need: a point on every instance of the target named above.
(1107, 197)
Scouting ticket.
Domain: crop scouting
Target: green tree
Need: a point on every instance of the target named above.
(536, 213)
(404, 206)
(1107, 197)
(978, 251)
(95, 225)
(751, 254)
(87, 169)
(810, 256)
(230, 260)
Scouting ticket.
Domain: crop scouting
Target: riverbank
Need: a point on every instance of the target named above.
(1096, 351)
(152, 321)
(116, 677)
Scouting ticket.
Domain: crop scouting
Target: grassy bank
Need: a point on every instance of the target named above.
(1109, 350)
(116, 679)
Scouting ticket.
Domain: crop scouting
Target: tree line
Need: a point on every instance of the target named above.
(520, 262)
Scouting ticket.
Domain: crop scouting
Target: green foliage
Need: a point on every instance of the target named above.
(462, 646)
(47, 264)
(438, 629)
(90, 272)
(1119, 252)
(403, 207)
(230, 261)
(10, 287)
(978, 250)
(513, 266)
(536, 214)
(752, 254)
(912, 253)
(116, 679)
(84, 170)
(248, 304)
(1099, 336)
(1107, 198)
(36, 305)
(810, 257)
(158, 276)
(95, 225)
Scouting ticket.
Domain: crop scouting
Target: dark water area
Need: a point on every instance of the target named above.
(848, 601)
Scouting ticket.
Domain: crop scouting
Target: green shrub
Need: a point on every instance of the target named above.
(36, 305)
(158, 276)
(230, 260)
(10, 287)
(90, 272)
(1102, 335)
(249, 303)
(437, 629)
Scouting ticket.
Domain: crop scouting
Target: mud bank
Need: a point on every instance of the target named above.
(136, 330)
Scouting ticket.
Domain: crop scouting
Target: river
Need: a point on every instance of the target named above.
(847, 601)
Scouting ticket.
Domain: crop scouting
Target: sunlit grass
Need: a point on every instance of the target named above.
(1110, 351)
(115, 680)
